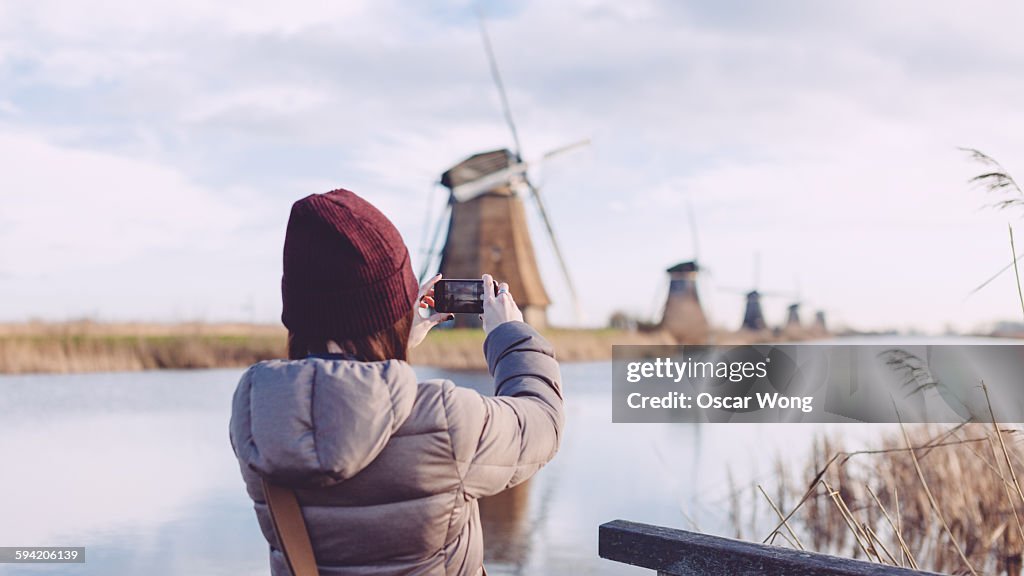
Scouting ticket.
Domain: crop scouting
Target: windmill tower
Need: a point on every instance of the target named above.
(793, 316)
(487, 227)
(820, 327)
(683, 317)
(793, 329)
(487, 231)
(753, 316)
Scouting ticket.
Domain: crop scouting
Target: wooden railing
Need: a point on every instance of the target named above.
(681, 553)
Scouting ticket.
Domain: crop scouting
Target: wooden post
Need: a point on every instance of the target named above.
(674, 552)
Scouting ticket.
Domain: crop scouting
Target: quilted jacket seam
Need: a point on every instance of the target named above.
(460, 492)
(312, 423)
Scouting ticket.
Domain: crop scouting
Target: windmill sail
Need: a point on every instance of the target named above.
(558, 252)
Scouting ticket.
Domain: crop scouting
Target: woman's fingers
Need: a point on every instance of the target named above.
(488, 287)
(439, 317)
(503, 289)
(422, 325)
(428, 286)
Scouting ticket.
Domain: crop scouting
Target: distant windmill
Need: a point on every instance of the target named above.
(793, 327)
(793, 316)
(683, 315)
(487, 227)
(820, 327)
(753, 313)
(753, 316)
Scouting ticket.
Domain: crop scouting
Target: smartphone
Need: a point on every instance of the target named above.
(460, 296)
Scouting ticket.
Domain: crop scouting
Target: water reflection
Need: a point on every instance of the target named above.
(505, 519)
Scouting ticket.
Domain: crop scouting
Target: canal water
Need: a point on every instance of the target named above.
(137, 467)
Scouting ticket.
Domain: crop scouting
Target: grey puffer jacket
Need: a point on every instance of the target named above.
(387, 470)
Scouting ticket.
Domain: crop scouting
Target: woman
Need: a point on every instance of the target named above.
(387, 470)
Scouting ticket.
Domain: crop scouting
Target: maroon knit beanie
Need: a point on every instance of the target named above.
(346, 269)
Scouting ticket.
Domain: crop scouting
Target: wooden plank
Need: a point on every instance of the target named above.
(678, 552)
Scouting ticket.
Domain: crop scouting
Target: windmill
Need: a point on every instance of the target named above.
(487, 226)
(793, 327)
(820, 327)
(793, 323)
(683, 316)
(753, 313)
(793, 317)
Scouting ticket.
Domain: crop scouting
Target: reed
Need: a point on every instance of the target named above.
(998, 181)
(941, 499)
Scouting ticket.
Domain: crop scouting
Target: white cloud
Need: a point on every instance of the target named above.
(70, 210)
(64, 20)
(79, 68)
(255, 104)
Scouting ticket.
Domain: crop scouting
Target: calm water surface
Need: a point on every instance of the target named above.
(137, 467)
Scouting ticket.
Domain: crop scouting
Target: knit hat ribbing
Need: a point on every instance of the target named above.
(347, 271)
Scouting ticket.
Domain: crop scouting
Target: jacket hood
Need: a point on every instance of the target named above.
(316, 422)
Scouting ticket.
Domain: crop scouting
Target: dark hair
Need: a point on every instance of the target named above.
(388, 344)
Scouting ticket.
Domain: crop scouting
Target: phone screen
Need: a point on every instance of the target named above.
(459, 296)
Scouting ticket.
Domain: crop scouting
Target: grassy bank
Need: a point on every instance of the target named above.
(99, 347)
(95, 347)
(463, 349)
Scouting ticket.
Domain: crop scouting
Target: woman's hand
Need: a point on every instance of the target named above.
(499, 308)
(422, 324)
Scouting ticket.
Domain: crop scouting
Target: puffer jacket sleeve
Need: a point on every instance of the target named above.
(503, 440)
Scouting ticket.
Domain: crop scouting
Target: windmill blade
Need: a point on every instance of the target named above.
(558, 250)
(554, 153)
(431, 250)
(567, 148)
(658, 303)
(779, 294)
(735, 290)
(693, 229)
(761, 293)
(496, 75)
(428, 217)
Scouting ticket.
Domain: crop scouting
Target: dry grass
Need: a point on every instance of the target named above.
(463, 349)
(946, 500)
(99, 347)
(95, 347)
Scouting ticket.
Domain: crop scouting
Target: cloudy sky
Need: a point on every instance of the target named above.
(149, 151)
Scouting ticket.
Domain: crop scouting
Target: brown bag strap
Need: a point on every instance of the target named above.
(291, 529)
